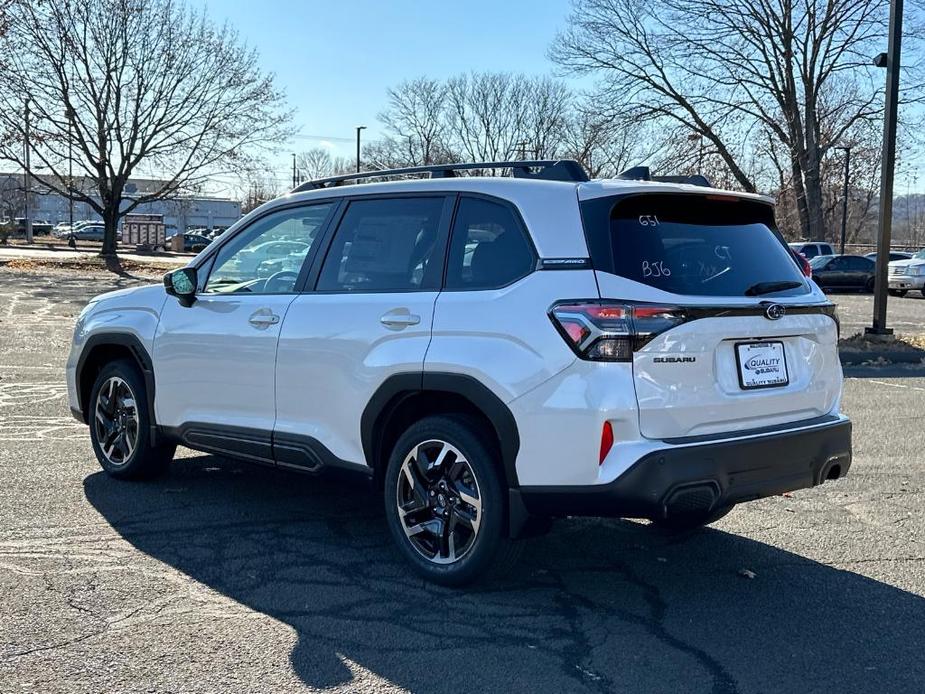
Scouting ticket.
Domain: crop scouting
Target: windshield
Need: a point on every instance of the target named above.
(819, 261)
(691, 244)
(920, 255)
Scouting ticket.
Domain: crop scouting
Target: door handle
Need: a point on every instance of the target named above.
(263, 318)
(399, 319)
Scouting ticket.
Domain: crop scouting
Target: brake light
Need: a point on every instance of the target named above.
(612, 331)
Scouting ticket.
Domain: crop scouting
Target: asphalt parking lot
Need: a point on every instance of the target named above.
(906, 315)
(225, 577)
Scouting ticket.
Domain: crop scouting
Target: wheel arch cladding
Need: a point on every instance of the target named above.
(104, 348)
(404, 398)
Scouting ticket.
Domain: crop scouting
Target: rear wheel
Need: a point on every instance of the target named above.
(869, 285)
(120, 424)
(445, 500)
(691, 521)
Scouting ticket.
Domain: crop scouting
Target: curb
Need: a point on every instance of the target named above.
(892, 357)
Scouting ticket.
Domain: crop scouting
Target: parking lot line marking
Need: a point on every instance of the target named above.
(896, 385)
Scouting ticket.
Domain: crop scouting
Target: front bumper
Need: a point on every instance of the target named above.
(707, 475)
(907, 282)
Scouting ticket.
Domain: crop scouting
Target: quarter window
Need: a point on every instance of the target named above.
(382, 245)
(487, 248)
(266, 258)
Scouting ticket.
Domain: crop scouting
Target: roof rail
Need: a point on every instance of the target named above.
(547, 169)
(642, 173)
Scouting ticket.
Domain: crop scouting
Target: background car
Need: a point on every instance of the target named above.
(87, 232)
(251, 258)
(810, 249)
(907, 274)
(39, 227)
(843, 272)
(193, 243)
(66, 229)
(801, 260)
(894, 255)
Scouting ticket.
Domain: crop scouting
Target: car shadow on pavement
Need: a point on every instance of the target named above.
(596, 605)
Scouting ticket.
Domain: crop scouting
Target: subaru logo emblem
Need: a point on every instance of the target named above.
(774, 312)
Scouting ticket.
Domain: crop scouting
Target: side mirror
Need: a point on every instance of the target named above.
(182, 284)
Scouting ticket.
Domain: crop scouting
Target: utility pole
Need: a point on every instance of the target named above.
(891, 61)
(27, 184)
(70, 168)
(698, 137)
(360, 128)
(844, 201)
(294, 181)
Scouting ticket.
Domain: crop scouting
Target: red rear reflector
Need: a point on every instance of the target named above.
(606, 441)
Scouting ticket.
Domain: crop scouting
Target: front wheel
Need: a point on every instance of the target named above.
(445, 500)
(898, 292)
(120, 424)
(869, 285)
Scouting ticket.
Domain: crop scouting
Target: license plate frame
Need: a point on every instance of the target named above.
(777, 349)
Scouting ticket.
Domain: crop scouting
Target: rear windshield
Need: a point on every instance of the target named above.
(690, 244)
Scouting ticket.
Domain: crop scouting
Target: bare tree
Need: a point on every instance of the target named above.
(315, 163)
(12, 200)
(735, 72)
(122, 87)
(485, 115)
(258, 187)
(415, 121)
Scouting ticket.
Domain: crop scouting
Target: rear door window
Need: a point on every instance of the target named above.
(488, 248)
(690, 244)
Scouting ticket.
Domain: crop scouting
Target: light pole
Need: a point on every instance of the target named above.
(27, 184)
(359, 129)
(70, 169)
(844, 201)
(891, 61)
(294, 181)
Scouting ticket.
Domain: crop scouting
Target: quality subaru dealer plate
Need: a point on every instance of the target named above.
(761, 365)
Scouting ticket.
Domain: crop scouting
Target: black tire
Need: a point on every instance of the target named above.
(688, 522)
(487, 550)
(869, 285)
(129, 454)
(898, 292)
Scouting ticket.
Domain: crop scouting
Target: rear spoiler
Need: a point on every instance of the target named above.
(642, 173)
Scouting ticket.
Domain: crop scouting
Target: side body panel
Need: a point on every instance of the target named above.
(133, 312)
(213, 365)
(334, 353)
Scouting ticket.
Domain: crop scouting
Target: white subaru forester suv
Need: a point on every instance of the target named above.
(490, 351)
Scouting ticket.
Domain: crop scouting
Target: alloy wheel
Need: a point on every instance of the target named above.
(116, 421)
(439, 502)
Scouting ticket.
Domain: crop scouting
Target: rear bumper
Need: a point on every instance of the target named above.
(707, 475)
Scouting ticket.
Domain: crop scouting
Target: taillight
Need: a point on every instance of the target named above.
(612, 331)
(803, 263)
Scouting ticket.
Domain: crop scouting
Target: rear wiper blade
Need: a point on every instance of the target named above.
(771, 287)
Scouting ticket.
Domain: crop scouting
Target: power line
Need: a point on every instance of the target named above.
(322, 137)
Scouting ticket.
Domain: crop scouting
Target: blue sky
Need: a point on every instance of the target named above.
(336, 59)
